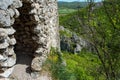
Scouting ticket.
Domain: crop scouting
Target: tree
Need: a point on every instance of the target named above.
(101, 27)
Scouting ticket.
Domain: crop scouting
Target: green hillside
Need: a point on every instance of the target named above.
(69, 7)
(72, 5)
(99, 23)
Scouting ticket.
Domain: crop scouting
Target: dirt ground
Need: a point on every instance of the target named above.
(22, 70)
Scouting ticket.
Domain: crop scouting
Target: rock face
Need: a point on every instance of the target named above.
(33, 24)
(71, 42)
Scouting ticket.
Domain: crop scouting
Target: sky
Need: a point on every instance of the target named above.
(79, 0)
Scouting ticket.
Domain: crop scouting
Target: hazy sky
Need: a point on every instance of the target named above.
(78, 0)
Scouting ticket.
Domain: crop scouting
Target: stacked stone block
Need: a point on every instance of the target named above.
(35, 30)
(46, 30)
(8, 13)
(38, 30)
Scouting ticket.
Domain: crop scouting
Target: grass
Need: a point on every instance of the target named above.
(84, 66)
(65, 33)
(64, 11)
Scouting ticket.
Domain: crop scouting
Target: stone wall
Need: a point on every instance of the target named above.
(8, 13)
(36, 31)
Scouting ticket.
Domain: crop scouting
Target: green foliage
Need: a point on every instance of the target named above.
(72, 5)
(78, 67)
(69, 7)
(65, 33)
(72, 21)
(101, 27)
(83, 66)
(56, 67)
(69, 21)
(63, 11)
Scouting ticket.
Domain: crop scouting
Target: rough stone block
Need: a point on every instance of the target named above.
(5, 3)
(7, 72)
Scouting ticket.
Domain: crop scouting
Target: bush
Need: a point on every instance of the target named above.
(79, 67)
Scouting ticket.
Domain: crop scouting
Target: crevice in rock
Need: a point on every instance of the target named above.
(36, 28)
(26, 46)
(24, 27)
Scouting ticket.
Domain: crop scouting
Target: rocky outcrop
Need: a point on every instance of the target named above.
(33, 24)
(71, 42)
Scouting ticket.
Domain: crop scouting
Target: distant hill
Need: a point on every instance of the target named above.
(72, 5)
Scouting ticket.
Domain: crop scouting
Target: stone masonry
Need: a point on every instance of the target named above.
(30, 24)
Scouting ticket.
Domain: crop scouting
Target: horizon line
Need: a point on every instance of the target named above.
(77, 1)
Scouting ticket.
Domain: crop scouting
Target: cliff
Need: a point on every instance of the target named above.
(27, 27)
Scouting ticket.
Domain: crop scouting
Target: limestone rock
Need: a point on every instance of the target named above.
(36, 31)
(3, 57)
(36, 5)
(33, 11)
(8, 13)
(4, 18)
(37, 63)
(11, 12)
(39, 51)
(10, 51)
(4, 45)
(73, 43)
(17, 3)
(5, 3)
(3, 51)
(11, 41)
(9, 62)
(8, 31)
(16, 13)
(36, 18)
(4, 79)
(78, 48)
(7, 72)
(3, 36)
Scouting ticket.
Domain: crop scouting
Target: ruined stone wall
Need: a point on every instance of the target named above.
(8, 13)
(46, 30)
(36, 31)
